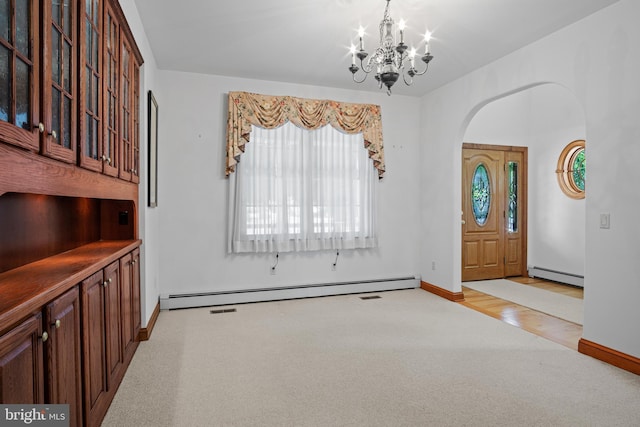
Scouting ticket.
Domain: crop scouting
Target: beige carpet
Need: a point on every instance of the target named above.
(407, 359)
(553, 303)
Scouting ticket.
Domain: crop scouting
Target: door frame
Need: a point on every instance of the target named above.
(524, 193)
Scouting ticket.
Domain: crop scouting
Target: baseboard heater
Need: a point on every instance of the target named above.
(556, 276)
(206, 299)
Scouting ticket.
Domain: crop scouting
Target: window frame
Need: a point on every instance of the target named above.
(564, 169)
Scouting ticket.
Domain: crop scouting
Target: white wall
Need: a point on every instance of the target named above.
(544, 119)
(148, 219)
(597, 60)
(193, 192)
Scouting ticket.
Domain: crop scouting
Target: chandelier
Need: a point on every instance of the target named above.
(389, 60)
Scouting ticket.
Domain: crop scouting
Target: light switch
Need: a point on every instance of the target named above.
(605, 220)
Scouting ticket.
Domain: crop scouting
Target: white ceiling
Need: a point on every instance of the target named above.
(307, 41)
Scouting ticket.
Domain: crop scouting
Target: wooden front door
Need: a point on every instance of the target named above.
(493, 212)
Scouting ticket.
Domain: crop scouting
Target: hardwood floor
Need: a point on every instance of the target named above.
(544, 325)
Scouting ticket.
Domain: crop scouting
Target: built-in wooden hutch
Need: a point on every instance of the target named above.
(69, 173)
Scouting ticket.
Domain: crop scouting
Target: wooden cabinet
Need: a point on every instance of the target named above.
(76, 347)
(69, 124)
(42, 364)
(21, 363)
(94, 345)
(103, 357)
(113, 336)
(135, 293)
(110, 78)
(126, 306)
(69, 83)
(111, 322)
(63, 385)
(38, 94)
(130, 299)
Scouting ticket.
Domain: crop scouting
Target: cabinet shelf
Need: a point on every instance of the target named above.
(28, 288)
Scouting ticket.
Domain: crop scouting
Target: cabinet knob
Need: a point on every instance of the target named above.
(40, 127)
(133, 261)
(105, 283)
(104, 158)
(109, 160)
(109, 280)
(57, 324)
(53, 134)
(45, 336)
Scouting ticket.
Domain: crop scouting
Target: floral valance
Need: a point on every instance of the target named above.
(246, 109)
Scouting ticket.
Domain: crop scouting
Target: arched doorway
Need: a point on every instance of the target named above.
(544, 119)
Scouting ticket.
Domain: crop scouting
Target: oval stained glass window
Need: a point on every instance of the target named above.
(578, 167)
(480, 194)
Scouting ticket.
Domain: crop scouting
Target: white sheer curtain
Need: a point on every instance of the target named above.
(301, 190)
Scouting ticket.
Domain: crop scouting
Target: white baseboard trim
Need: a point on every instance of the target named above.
(557, 276)
(206, 299)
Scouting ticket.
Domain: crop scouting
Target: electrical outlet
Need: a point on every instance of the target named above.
(433, 265)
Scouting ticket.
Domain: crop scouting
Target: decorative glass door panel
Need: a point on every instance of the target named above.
(512, 197)
(515, 214)
(91, 81)
(111, 106)
(135, 142)
(19, 48)
(59, 101)
(126, 159)
(480, 194)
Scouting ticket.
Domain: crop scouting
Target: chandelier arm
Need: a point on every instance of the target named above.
(420, 73)
(366, 68)
(360, 81)
(404, 77)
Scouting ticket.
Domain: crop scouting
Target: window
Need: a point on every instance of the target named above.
(512, 197)
(480, 194)
(572, 169)
(300, 190)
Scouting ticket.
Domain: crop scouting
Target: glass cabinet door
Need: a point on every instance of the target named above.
(90, 117)
(126, 79)
(59, 98)
(19, 70)
(111, 57)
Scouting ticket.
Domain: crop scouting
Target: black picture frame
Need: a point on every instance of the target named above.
(153, 150)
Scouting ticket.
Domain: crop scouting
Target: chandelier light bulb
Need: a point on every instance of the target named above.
(401, 26)
(361, 35)
(412, 57)
(427, 38)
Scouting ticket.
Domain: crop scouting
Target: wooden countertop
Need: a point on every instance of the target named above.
(27, 289)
